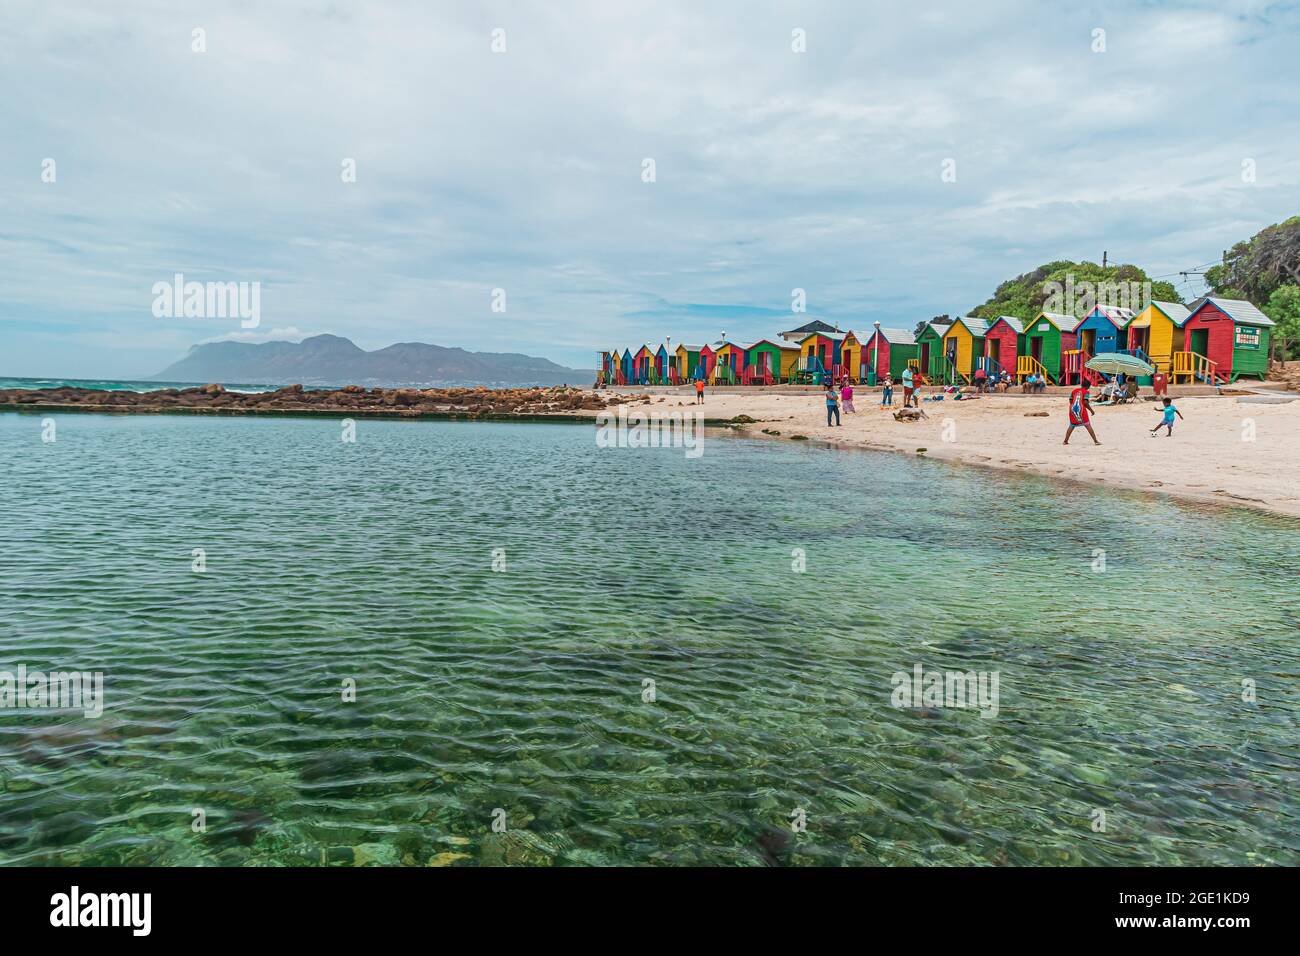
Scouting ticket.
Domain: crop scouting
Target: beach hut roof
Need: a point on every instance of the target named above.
(776, 345)
(1239, 310)
(1016, 325)
(976, 327)
(689, 348)
(1118, 316)
(816, 325)
(833, 336)
(1066, 323)
(1175, 312)
(897, 336)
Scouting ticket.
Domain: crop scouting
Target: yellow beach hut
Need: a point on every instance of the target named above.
(1158, 331)
(851, 357)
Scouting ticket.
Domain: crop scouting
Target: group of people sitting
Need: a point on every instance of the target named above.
(1004, 381)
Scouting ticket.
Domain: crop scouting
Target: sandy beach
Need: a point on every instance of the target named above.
(1226, 450)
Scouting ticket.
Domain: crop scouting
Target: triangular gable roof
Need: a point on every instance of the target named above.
(784, 347)
(833, 336)
(1118, 317)
(1175, 312)
(1063, 322)
(938, 327)
(1239, 310)
(896, 336)
(689, 348)
(1016, 325)
(816, 325)
(976, 327)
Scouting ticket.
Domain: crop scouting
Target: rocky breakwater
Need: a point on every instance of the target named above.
(351, 399)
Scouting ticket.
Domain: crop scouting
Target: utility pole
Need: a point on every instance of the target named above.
(1104, 255)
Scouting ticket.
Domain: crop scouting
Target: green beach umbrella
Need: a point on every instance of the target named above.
(1119, 363)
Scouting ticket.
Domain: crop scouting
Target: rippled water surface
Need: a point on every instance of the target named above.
(521, 690)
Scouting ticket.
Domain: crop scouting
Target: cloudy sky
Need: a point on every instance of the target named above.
(522, 170)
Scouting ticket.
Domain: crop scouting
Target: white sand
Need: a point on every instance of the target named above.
(1209, 458)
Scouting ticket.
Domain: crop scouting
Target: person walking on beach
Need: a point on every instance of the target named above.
(908, 390)
(1080, 414)
(699, 391)
(887, 395)
(1167, 422)
(832, 405)
(846, 394)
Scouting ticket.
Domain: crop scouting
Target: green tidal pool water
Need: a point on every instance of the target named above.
(645, 678)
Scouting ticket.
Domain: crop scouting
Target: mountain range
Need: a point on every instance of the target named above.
(334, 360)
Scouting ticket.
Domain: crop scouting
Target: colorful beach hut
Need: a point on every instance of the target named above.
(929, 349)
(1002, 343)
(642, 365)
(688, 360)
(1050, 334)
(1103, 330)
(851, 358)
(708, 359)
(730, 366)
(664, 372)
(1156, 333)
(963, 341)
(767, 361)
(819, 357)
(625, 362)
(888, 351)
(1224, 340)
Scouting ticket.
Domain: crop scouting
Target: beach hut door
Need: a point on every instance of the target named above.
(1200, 341)
(1036, 348)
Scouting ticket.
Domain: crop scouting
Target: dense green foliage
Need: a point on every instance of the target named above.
(1254, 268)
(1025, 296)
(1283, 307)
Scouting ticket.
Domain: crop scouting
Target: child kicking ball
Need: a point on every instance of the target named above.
(1168, 421)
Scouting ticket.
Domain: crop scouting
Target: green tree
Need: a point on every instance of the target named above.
(1026, 295)
(1252, 269)
(1284, 308)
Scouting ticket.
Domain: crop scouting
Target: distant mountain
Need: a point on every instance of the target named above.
(334, 360)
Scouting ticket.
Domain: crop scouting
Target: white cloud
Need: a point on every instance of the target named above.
(288, 334)
(522, 170)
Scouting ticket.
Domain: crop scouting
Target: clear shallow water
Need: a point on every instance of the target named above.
(521, 689)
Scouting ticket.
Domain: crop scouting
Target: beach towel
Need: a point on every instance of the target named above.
(1078, 410)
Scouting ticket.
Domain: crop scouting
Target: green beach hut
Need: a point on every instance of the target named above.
(929, 349)
(1046, 338)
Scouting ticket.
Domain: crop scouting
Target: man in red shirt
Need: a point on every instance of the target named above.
(1080, 414)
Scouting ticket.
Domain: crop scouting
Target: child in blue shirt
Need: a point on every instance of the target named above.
(1168, 421)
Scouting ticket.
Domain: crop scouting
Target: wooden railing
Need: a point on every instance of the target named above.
(1075, 362)
(1027, 365)
(1193, 366)
(724, 375)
